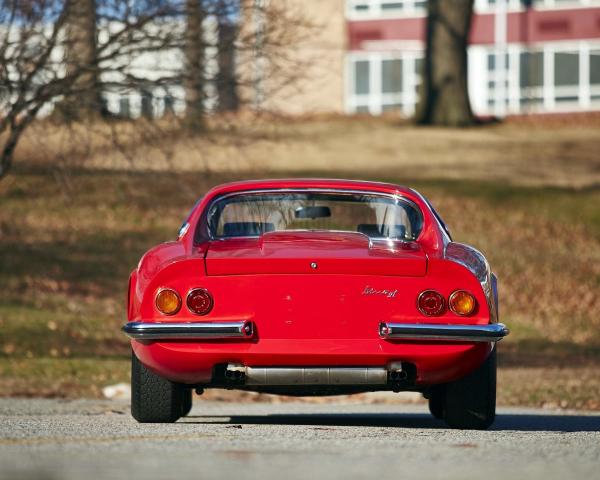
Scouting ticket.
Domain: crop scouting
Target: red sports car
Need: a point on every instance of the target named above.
(314, 287)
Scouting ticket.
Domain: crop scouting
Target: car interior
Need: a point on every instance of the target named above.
(253, 229)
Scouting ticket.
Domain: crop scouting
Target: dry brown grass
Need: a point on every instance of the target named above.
(518, 152)
(525, 194)
(547, 261)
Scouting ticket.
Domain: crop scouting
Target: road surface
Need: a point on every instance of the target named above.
(87, 439)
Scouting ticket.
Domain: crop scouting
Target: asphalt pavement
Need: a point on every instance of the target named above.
(86, 439)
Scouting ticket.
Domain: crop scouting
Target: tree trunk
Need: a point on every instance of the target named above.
(226, 79)
(443, 94)
(194, 65)
(6, 155)
(81, 61)
(11, 139)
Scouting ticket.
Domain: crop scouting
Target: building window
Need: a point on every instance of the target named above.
(566, 77)
(361, 7)
(147, 100)
(595, 67)
(382, 8)
(419, 67)
(498, 81)
(391, 6)
(515, 5)
(531, 69)
(553, 76)
(557, 77)
(566, 69)
(124, 107)
(391, 76)
(563, 3)
(383, 82)
(362, 79)
(531, 79)
(595, 76)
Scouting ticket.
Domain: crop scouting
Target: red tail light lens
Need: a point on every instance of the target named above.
(199, 301)
(431, 303)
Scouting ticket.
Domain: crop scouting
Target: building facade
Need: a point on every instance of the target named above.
(541, 59)
(365, 56)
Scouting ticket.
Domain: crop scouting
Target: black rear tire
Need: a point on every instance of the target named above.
(470, 402)
(154, 399)
(436, 402)
(187, 402)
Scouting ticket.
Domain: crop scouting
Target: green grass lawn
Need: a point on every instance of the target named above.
(69, 241)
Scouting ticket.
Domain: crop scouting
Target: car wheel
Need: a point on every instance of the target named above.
(470, 402)
(187, 402)
(436, 402)
(154, 399)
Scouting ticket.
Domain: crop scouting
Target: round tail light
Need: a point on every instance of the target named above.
(168, 302)
(462, 303)
(199, 301)
(431, 303)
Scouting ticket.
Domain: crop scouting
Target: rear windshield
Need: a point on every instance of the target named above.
(252, 214)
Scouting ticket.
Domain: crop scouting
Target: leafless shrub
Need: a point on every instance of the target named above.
(60, 57)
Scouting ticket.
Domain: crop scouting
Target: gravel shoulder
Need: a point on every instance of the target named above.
(54, 439)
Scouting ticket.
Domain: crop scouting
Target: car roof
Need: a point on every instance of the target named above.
(321, 183)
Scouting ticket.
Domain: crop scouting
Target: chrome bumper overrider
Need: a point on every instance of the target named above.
(458, 333)
(188, 331)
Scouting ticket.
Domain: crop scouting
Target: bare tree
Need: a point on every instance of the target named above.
(220, 32)
(33, 38)
(81, 53)
(42, 63)
(194, 70)
(226, 80)
(443, 95)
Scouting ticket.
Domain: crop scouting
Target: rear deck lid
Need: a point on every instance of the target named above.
(315, 252)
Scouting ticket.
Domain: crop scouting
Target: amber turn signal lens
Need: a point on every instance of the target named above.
(431, 303)
(462, 303)
(199, 301)
(168, 301)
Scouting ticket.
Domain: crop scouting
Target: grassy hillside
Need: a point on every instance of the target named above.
(70, 236)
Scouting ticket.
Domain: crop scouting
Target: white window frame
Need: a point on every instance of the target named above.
(484, 6)
(549, 90)
(375, 10)
(376, 99)
(479, 77)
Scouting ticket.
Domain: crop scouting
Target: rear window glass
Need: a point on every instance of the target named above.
(252, 214)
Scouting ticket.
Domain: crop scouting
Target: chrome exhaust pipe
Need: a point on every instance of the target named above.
(289, 376)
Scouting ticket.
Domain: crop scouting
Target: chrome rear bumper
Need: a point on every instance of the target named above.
(492, 332)
(188, 331)
(245, 329)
